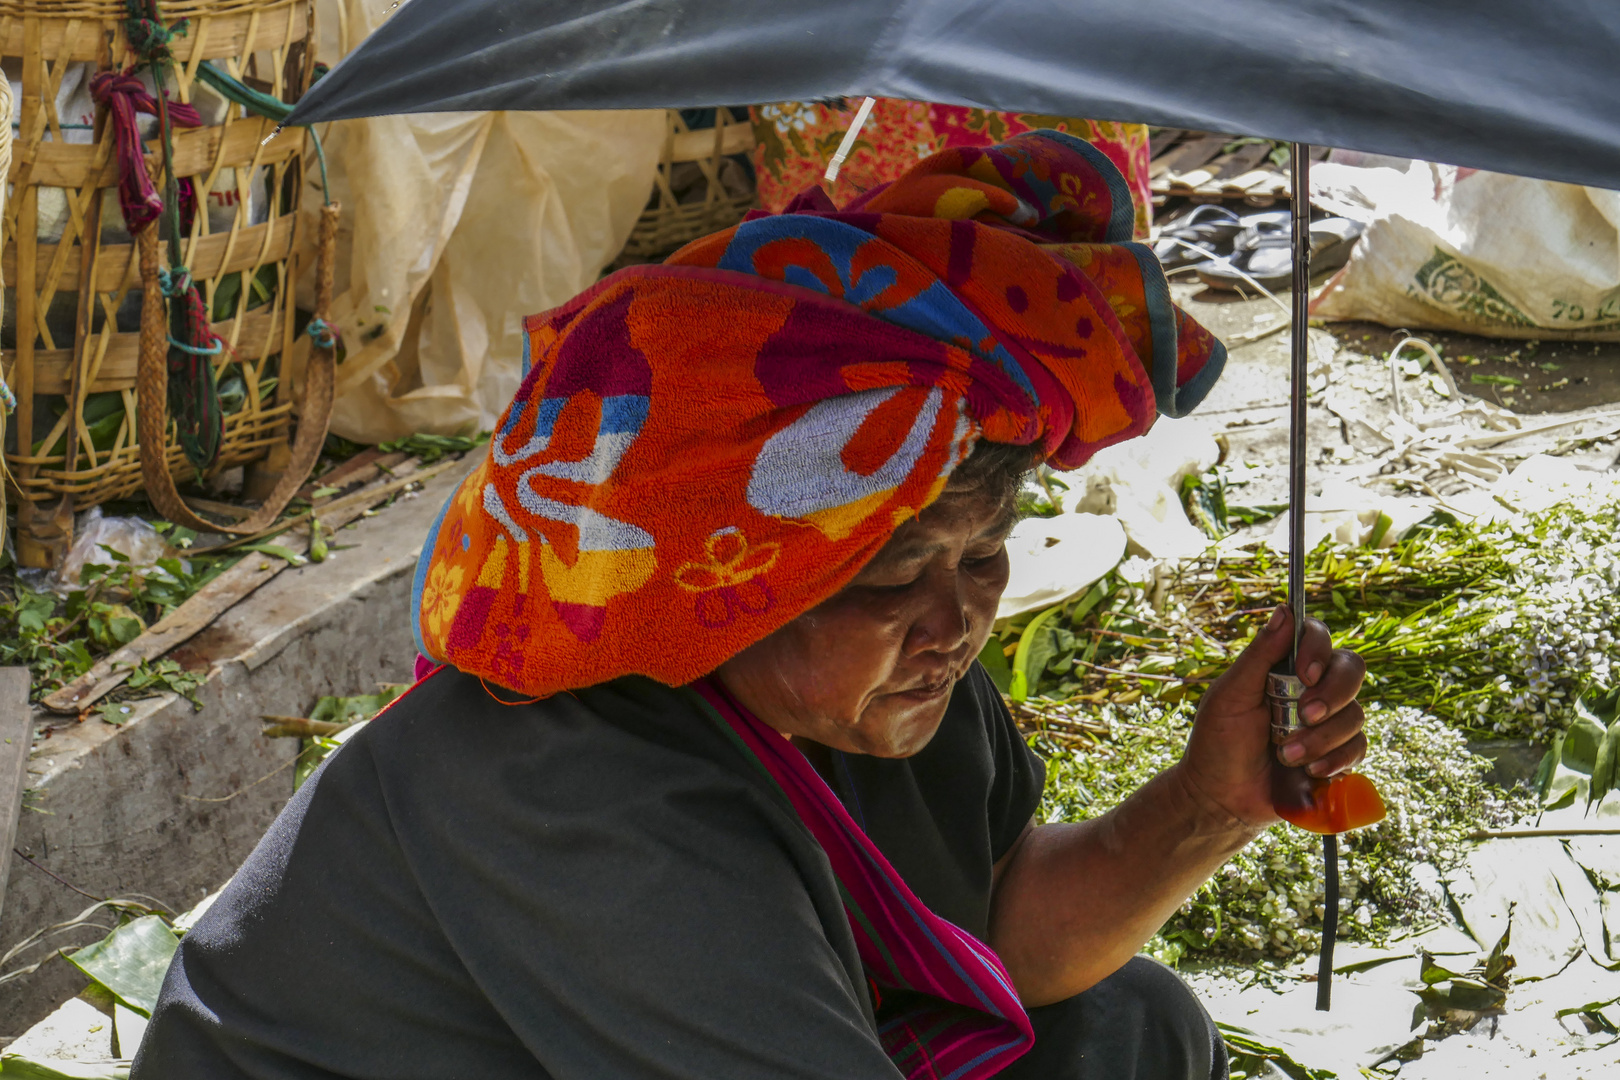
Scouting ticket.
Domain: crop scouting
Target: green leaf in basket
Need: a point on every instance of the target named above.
(130, 962)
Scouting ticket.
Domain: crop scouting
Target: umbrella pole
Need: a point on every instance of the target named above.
(1300, 168)
(1299, 369)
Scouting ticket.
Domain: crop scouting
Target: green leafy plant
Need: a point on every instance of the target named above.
(161, 676)
(1453, 1002)
(130, 962)
(58, 639)
(1266, 901)
(1252, 1057)
(32, 634)
(1582, 764)
(430, 448)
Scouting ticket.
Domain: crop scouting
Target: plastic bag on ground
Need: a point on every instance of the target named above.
(1475, 252)
(1355, 516)
(1139, 482)
(131, 537)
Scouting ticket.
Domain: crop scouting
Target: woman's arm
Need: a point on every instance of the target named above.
(1073, 902)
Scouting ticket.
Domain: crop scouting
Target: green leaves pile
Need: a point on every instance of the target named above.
(1498, 629)
(430, 448)
(1267, 900)
(59, 639)
(1506, 629)
(1400, 607)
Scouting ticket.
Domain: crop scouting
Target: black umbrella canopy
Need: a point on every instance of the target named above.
(1518, 86)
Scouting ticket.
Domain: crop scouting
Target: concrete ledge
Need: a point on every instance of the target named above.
(169, 803)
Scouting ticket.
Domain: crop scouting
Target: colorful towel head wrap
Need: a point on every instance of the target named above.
(703, 450)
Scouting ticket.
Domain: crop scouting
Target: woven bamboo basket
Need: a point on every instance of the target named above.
(74, 271)
(5, 394)
(667, 223)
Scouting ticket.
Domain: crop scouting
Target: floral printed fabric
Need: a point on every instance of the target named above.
(703, 450)
(794, 140)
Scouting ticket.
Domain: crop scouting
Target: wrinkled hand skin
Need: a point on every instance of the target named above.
(1228, 762)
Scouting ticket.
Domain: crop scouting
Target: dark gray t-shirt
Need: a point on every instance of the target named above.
(594, 886)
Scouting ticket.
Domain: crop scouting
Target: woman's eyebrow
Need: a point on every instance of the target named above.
(921, 550)
(916, 550)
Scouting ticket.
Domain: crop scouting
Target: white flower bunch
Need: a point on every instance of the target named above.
(1268, 900)
(1553, 628)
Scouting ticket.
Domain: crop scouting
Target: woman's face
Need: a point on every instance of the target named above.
(870, 670)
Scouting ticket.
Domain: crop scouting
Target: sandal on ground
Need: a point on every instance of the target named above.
(1264, 251)
(1206, 232)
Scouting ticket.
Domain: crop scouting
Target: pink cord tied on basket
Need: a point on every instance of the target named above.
(125, 95)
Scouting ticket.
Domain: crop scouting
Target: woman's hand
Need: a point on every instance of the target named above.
(1228, 762)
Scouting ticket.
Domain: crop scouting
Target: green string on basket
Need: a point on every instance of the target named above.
(193, 391)
(324, 334)
(194, 401)
(264, 104)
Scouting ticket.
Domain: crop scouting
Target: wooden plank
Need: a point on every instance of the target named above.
(692, 145)
(53, 368)
(1239, 185)
(363, 467)
(225, 592)
(1240, 161)
(227, 34)
(118, 263)
(16, 740)
(71, 165)
(1185, 183)
(1188, 155)
(1162, 139)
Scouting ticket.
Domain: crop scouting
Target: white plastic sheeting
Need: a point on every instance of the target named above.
(455, 226)
(1475, 252)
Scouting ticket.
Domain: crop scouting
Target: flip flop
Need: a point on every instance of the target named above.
(1209, 228)
(1264, 251)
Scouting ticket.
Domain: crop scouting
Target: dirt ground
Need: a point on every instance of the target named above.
(1525, 376)
(1528, 377)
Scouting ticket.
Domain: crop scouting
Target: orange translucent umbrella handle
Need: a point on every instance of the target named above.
(1328, 806)
(1325, 806)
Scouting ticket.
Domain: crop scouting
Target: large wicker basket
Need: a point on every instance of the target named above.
(77, 294)
(5, 394)
(668, 223)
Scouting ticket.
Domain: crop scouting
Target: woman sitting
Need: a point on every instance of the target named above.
(708, 782)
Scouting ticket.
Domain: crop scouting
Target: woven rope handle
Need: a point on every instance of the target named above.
(314, 401)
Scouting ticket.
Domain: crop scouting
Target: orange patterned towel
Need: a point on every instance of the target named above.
(703, 450)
